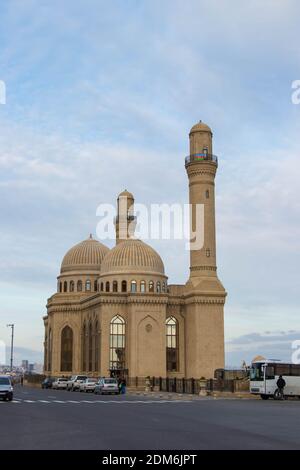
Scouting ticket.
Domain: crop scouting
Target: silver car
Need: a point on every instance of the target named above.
(60, 384)
(6, 388)
(107, 385)
(88, 385)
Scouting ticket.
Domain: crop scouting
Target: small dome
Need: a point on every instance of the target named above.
(85, 256)
(132, 256)
(126, 194)
(200, 127)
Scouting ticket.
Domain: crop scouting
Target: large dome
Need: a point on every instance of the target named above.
(132, 256)
(85, 256)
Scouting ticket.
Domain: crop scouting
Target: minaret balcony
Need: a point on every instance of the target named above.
(201, 157)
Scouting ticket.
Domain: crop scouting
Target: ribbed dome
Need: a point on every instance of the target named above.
(200, 127)
(132, 256)
(86, 255)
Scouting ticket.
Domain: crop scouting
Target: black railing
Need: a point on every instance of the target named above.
(199, 157)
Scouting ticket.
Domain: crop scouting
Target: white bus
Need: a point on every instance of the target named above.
(265, 373)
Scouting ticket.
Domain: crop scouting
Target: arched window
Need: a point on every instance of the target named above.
(66, 358)
(97, 346)
(95, 286)
(60, 287)
(107, 286)
(163, 286)
(49, 350)
(90, 348)
(151, 286)
(205, 151)
(207, 194)
(115, 286)
(117, 344)
(158, 287)
(143, 287)
(72, 286)
(84, 343)
(79, 286)
(87, 285)
(101, 287)
(46, 352)
(124, 286)
(65, 286)
(172, 344)
(133, 286)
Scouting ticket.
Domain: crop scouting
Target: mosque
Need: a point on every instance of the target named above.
(114, 312)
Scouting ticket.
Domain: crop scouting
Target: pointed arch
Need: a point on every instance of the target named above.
(66, 355)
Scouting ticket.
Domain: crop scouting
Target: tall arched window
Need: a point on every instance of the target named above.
(133, 286)
(84, 342)
(151, 286)
(50, 350)
(163, 286)
(87, 285)
(97, 346)
(46, 351)
(65, 286)
(143, 287)
(117, 344)
(101, 287)
(72, 286)
(66, 359)
(60, 287)
(90, 347)
(115, 286)
(95, 286)
(107, 286)
(172, 344)
(158, 287)
(124, 286)
(79, 286)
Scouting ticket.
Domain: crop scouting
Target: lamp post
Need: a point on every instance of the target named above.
(12, 326)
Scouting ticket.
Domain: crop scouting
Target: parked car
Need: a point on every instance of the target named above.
(48, 382)
(88, 385)
(107, 385)
(75, 381)
(60, 383)
(6, 388)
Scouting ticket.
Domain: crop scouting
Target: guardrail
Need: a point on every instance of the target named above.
(198, 157)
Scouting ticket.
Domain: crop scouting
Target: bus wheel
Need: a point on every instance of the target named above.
(265, 397)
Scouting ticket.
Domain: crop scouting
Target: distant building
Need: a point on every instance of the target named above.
(25, 365)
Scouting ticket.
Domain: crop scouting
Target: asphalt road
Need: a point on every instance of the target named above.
(48, 419)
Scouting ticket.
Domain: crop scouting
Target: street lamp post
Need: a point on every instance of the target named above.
(12, 326)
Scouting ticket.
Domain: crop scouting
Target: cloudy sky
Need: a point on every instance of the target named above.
(100, 96)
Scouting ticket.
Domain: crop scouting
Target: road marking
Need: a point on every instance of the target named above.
(73, 401)
(44, 401)
(58, 401)
(29, 401)
(16, 401)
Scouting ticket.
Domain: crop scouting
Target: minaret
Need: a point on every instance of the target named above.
(201, 166)
(125, 221)
(204, 294)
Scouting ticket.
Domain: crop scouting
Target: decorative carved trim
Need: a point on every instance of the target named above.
(203, 268)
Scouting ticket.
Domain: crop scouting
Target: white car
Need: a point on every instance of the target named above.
(75, 381)
(88, 385)
(107, 385)
(60, 383)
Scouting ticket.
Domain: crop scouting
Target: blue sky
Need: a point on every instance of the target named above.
(101, 97)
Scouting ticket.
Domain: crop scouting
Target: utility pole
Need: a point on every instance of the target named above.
(12, 326)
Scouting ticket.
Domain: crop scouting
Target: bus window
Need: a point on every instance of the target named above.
(256, 372)
(270, 372)
(282, 369)
(295, 370)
